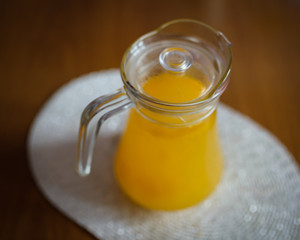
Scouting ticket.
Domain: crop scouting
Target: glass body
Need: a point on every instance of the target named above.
(168, 168)
(169, 156)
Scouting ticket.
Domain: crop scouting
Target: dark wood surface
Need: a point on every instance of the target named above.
(44, 44)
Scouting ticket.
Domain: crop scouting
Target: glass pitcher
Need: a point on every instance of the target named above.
(169, 155)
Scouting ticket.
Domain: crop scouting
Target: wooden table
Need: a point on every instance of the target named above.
(45, 44)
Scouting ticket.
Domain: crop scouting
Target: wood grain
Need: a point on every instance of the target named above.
(44, 44)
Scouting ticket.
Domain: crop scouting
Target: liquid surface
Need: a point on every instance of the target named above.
(174, 88)
(169, 168)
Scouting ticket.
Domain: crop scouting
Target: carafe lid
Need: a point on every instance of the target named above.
(179, 47)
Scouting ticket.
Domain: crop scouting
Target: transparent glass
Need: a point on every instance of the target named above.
(169, 155)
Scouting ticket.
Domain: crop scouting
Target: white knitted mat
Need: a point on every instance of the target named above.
(258, 197)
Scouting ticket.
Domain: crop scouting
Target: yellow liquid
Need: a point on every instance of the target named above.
(168, 168)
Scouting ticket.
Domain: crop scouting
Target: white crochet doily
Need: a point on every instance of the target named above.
(258, 197)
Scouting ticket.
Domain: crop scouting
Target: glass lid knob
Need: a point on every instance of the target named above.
(175, 59)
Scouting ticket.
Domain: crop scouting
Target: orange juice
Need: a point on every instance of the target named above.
(163, 167)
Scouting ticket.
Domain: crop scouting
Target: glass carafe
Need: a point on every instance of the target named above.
(169, 155)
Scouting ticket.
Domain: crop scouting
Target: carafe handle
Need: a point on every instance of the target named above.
(103, 107)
